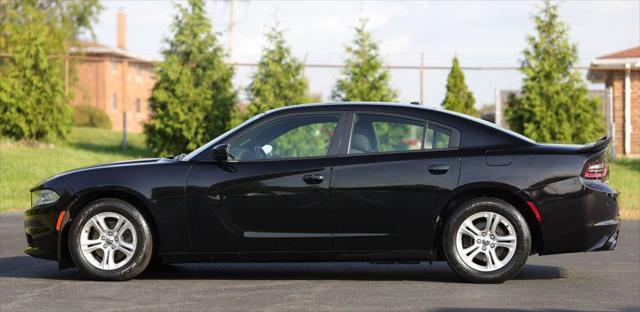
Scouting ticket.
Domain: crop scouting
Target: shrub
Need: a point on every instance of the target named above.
(279, 79)
(192, 100)
(90, 116)
(555, 105)
(364, 77)
(33, 102)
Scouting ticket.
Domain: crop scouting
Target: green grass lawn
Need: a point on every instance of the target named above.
(625, 176)
(21, 166)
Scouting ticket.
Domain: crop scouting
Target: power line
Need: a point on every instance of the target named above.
(339, 66)
(410, 67)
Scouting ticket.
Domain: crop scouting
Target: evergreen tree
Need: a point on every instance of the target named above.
(458, 98)
(34, 36)
(279, 80)
(555, 105)
(364, 78)
(192, 100)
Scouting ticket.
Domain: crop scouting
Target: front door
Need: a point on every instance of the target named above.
(387, 190)
(273, 193)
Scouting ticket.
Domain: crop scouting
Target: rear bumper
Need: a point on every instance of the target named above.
(607, 242)
(577, 215)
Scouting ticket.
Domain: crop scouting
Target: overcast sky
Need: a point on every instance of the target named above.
(480, 33)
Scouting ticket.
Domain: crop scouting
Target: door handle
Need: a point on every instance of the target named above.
(438, 169)
(313, 178)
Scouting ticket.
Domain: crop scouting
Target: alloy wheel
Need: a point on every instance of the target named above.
(486, 241)
(108, 241)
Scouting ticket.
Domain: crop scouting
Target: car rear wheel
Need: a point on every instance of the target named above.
(110, 240)
(486, 241)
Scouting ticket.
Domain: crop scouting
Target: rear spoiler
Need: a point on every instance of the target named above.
(596, 146)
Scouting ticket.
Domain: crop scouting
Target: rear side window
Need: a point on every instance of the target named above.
(437, 137)
(378, 134)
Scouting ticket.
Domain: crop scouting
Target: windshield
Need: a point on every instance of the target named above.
(215, 141)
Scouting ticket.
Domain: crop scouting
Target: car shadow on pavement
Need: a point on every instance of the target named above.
(28, 267)
(625, 309)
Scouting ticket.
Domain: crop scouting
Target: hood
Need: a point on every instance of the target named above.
(126, 163)
(123, 163)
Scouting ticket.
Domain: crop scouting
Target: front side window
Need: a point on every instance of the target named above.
(378, 134)
(292, 137)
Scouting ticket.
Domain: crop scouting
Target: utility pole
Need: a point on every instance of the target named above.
(498, 109)
(231, 40)
(422, 78)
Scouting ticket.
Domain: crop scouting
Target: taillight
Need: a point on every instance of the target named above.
(596, 169)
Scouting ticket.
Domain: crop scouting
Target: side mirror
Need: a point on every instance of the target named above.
(221, 152)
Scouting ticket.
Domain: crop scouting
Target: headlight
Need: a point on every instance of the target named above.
(43, 197)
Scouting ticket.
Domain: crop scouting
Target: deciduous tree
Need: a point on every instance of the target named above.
(35, 36)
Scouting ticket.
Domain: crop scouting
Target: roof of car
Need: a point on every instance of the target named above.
(442, 115)
(348, 105)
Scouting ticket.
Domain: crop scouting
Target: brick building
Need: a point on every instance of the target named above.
(114, 80)
(620, 72)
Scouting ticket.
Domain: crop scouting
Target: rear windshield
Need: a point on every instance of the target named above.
(492, 125)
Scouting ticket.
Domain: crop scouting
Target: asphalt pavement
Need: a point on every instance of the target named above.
(594, 281)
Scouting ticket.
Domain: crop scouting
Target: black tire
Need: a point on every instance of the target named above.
(143, 249)
(504, 209)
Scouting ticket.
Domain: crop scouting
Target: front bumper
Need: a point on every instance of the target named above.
(43, 240)
(577, 215)
(40, 229)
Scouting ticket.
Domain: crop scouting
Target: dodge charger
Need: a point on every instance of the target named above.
(373, 182)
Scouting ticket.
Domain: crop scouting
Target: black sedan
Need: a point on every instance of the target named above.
(334, 182)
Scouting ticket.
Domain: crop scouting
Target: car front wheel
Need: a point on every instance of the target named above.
(486, 241)
(110, 240)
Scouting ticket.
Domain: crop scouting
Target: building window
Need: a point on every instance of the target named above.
(114, 65)
(138, 70)
(114, 101)
(138, 105)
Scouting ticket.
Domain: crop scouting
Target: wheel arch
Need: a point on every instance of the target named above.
(131, 197)
(505, 192)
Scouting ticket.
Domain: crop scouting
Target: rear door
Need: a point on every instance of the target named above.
(390, 182)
